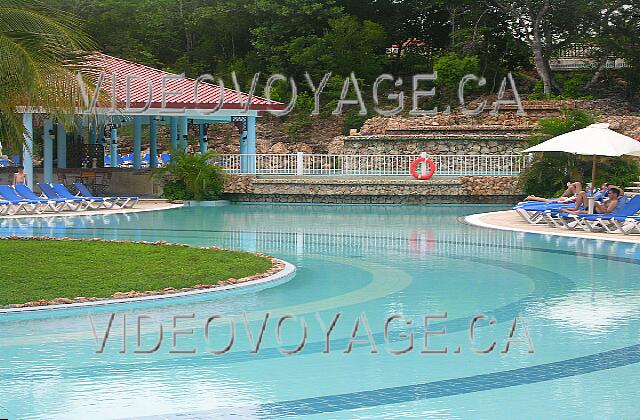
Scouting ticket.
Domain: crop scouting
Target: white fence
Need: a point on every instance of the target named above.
(369, 165)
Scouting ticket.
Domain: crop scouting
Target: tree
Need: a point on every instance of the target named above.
(546, 26)
(424, 20)
(609, 29)
(41, 49)
(346, 46)
(279, 21)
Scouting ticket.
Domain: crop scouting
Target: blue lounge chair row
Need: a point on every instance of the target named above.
(56, 198)
(626, 221)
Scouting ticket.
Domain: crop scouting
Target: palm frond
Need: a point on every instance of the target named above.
(42, 49)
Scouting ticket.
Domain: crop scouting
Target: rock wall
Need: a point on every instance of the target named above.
(412, 146)
(377, 190)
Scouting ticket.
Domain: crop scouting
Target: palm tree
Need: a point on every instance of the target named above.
(42, 49)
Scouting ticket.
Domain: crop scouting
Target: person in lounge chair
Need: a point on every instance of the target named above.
(19, 177)
(569, 196)
(614, 204)
(602, 193)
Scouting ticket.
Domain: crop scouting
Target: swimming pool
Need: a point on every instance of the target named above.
(575, 304)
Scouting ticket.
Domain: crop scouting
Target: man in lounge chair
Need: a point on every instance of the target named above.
(614, 204)
(569, 196)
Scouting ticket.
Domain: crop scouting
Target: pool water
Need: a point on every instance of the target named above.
(556, 332)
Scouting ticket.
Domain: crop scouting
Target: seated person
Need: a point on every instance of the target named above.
(602, 193)
(614, 204)
(569, 196)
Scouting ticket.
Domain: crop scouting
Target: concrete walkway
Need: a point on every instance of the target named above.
(510, 220)
(143, 205)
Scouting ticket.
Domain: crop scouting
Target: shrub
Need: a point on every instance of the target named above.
(353, 119)
(452, 67)
(572, 87)
(192, 177)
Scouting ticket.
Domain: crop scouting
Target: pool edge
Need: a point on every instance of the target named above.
(476, 220)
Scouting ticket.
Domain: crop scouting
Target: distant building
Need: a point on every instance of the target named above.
(408, 45)
(580, 57)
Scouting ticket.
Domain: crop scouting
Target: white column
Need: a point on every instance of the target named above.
(47, 140)
(27, 150)
(61, 141)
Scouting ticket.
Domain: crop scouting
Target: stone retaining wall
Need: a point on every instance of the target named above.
(372, 190)
(412, 146)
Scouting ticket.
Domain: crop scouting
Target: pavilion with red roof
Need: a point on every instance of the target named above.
(138, 95)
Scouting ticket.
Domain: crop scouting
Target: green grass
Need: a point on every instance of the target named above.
(34, 269)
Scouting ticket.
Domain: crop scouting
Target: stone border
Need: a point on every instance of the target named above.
(103, 212)
(476, 220)
(280, 271)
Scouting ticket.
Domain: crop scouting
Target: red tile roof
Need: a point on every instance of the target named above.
(208, 94)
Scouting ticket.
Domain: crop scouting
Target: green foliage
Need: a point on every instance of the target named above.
(571, 87)
(140, 268)
(175, 190)
(549, 172)
(571, 119)
(353, 120)
(39, 46)
(346, 46)
(192, 177)
(451, 68)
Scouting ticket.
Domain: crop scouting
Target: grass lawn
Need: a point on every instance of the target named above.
(32, 269)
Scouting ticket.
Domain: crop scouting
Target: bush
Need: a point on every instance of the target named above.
(452, 67)
(354, 120)
(192, 177)
(175, 190)
(572, 87)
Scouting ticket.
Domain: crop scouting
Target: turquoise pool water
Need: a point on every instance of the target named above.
(574, 351)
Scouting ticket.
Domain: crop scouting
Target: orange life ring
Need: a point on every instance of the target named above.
(428, 175)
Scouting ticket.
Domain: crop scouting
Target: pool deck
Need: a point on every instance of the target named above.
(510, 220)
(143, 205)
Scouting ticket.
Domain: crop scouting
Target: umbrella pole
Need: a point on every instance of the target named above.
(592, 202)
(593, 175)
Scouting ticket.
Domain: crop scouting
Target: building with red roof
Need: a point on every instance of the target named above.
(138, 95)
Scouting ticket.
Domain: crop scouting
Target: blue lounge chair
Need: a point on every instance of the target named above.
(611, 222)
(4, 207)
(122, 202)
(126, 160)
(91, 202)
(18, 204)
(533, 212)
(75, 203)
(54, 204)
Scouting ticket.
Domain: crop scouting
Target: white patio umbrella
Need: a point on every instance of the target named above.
(595, 140)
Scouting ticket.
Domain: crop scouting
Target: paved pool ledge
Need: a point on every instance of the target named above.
(143, 205)
(511, 221)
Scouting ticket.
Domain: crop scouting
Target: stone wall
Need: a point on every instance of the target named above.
(372, 190)
(386, 125)
(413, 146)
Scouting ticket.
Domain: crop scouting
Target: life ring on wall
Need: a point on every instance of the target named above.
(415, 163)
